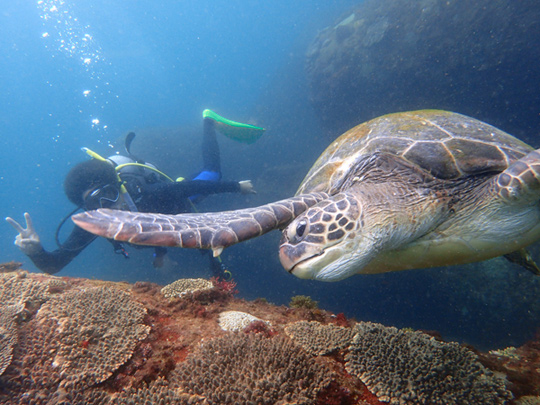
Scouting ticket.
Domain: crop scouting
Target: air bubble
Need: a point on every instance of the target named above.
(67, 35)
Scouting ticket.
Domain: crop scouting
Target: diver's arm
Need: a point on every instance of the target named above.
(53, 262)
(187, 188)
(174, 198)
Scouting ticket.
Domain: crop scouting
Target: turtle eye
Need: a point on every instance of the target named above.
(301, 228)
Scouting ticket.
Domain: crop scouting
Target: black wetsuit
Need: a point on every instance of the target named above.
(158, 196)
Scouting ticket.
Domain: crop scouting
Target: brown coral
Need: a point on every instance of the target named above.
(17, 288)
(76, 340)
(319, 339)
(413, 368)
(82, 397)
(158, 392)
(241, 368)
(97, 328)
(8, 333)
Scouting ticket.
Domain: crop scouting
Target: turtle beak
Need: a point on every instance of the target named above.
(293, 256)
(287, 257)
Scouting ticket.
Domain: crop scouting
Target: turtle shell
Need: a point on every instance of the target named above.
(447, 145)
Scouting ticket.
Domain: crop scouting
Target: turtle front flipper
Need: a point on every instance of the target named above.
(212, 230)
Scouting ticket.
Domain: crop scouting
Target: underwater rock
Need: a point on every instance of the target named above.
(478, 58)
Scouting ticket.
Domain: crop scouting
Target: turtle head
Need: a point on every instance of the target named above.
(323, 243)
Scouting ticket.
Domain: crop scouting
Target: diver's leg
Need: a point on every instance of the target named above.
(211, 170)
(210, 148)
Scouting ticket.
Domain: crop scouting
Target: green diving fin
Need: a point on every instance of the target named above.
(236, 131)
(524, 259)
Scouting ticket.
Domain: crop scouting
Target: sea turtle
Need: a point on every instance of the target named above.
(407, 190)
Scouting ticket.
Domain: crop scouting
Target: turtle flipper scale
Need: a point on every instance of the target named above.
(213, 230)
(521, 181)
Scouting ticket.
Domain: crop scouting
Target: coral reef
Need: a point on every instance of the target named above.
(413, 368)
(239, 369)
(77, 341)
(234, 321)
(186, 285)
(303, 301)
(319, 339)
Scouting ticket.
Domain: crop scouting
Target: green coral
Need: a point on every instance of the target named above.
(303, 301)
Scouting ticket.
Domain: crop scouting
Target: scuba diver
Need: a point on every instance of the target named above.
(127, 183)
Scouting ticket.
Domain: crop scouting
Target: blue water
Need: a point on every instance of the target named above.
(83, 74)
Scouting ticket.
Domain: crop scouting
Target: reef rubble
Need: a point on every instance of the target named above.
(80, 341)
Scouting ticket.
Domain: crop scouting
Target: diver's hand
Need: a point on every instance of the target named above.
(246, 187)
(27, 240)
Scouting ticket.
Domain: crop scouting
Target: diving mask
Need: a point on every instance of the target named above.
(102, 197)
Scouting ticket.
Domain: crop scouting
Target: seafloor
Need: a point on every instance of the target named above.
(79, 341)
